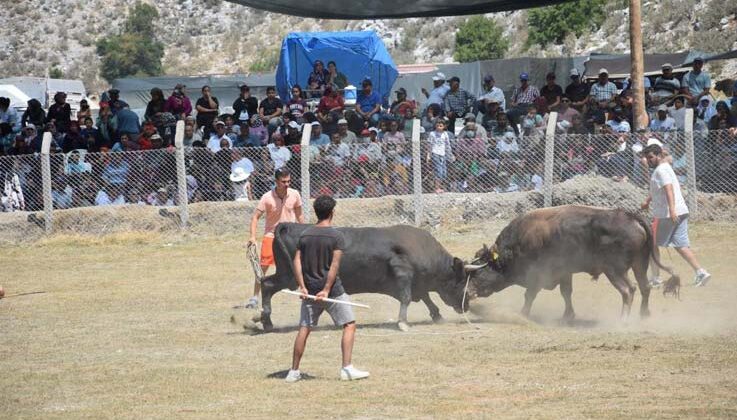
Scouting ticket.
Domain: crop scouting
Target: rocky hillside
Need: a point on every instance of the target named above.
(214, 36)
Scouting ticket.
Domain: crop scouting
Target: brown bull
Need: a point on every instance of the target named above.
(544, 248)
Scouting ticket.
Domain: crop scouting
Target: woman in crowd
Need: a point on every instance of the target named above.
(156, 105)
(207, 110)
(296, 105)
(34, 114)
(84, 111)
(317, 80)
(335, 78)
(330, 109)
(178, 103)
(60, 113)
(245, 106)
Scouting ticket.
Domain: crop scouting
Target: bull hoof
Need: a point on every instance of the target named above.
(256, 318)
(645, 313)
(568, 317)
(403, 326)
(438, 319)
(268, 327)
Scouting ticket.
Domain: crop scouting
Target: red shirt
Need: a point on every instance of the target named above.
(327, 103)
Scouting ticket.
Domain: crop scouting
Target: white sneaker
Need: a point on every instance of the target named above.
(252, 303)
(293, 376)
(655, 282)
(349, 373)
(701, 278)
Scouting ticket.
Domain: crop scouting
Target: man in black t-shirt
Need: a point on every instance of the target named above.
(316, 265)
(270, 109)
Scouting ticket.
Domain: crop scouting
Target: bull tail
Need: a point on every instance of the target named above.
(673, 285)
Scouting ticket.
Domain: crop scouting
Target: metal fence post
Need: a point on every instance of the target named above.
(46, 183)
(691, 198)
(549, 159)
(304, 151)
(417, 172)
(182, 198)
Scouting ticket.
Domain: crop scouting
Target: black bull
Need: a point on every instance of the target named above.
(403, 262)
(543, 248)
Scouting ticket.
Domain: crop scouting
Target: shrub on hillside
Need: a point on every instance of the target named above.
(479, 38)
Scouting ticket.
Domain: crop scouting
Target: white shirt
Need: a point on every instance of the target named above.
(667, 124)
(244, 163)
(280, 155)
(438, 142)
(338, 153)
(214, 143)
(505, 147)
(537, 182)
(664, 175)
(497, 94)
(619, 126)
(103, 199)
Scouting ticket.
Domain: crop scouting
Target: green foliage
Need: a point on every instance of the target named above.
(55, 73)
(267, 62)
(135, 51)
(479, 38)
(553, 23)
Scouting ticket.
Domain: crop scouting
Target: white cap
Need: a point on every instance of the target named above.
(374, 129)
(314, 123)
(574, 72)
(293, 124)
(441, 76)
(653, 140)
(239, 175)
(342, 121)
(663, 107)
(603, 70)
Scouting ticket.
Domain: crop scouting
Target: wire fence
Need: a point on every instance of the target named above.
(393, 179)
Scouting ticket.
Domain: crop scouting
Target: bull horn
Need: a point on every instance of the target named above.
(472, 267)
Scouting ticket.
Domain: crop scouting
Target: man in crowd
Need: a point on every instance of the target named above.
(317, 137)
(565, 111)
(246, 138)
(666, 85)
(491, 93)
(368, 103)
(522, 97)
(458, 102)
(552, 92)
(603, 90)
(217, 136)
(245, 106)
(346, 136)
(440, 88)
(670, 213)
(282, 204)
(128, 123)
(115, 102)
(697, 81)
(316, 265)
(577, 91)
(270, 109)
(663, 122)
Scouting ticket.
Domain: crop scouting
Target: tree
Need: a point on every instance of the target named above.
(55, 73)
(135, 51)
(553, 23)
(479, 38)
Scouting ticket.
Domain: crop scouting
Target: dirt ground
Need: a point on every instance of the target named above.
(137, 326)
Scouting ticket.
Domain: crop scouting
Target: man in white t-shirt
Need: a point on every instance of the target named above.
(670, 213)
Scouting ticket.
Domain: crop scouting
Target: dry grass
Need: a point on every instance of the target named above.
(137, 326)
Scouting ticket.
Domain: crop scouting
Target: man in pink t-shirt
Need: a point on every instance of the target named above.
(282, 204)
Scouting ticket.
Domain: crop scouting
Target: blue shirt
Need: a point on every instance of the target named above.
(128, 122)
(320, 141)
(438, 94)
(697, 82)
(368, 102)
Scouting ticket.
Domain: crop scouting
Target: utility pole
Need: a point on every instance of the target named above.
(637, 75)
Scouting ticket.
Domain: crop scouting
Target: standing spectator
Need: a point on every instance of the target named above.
(297, 105)
(128, 123)
(522, 97)
(577, 91)
(491, 93)
(603, 90)
(34, 114)
(156, 106)
(84, 111)
(368, 103)
(457, 103)
(245, 106)
(335, 78)
(270, 109)
(115, 102)
(107, 124)
(217, 136)
(439, 153)
(697, 81)
(662, 122)
(60, 113)
(440, 88)
(317, 80)
(178, 103)
(552, 93)
(678, 112)
(666, 85)
(207, 110)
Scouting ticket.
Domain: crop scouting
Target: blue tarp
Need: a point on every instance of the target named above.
(358, 55)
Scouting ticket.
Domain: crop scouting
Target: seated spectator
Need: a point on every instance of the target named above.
(393, 136)
(618, 124)
(111, 195)
(457, 102)
(296, 105)
(335, 78)
(190, 135)
(697, 81)
(216, 138)
(258, 129)
(551, 92)
(246, 106)
(402, 105)
(666, 85)
(577, 91)
(532, 123)
(246, 138)
(346, 136)
(565, 111)
(156, 106)
(278, 152)
(578, 158)
(60, 113)
(178, 103)
(7, 138)
(270, 109)
(432, 115)
(603, 90)
(145, 140)
(116, 170)
(294, 134)
(161, 198)
(614, 163)
(34, 114)
(368, 103)
(491, 93)
(522, 97)
(577, 125)
(19, 147)
(471, 143)
(505, 185)
(317, 80)
(508, 145)
(116, 104)
(73, 139)
(317, 137)
(134, 197)
(678, 112)
(439, 152)
(491, 115)
(337, 152)
(722, 120)
(157, 142)
(61, 192)
(478, 128)
(242, 190)
(706, 109)
(208, 108)
(330, 109)
(662, 122)
(241, 161)
(89, 129)
(502, 125)
(231, 129)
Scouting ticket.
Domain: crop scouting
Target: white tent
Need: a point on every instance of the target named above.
(18, 99)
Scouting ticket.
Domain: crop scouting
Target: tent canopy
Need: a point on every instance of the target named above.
(619, 66)
(358, 55)
(387, 9)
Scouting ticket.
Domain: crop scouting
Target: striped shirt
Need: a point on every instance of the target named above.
(603, 93)
(459, 101)
(526, 96)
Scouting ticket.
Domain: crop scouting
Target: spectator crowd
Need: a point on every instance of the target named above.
(493, 142)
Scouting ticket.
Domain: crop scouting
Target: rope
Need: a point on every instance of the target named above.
(255, 263)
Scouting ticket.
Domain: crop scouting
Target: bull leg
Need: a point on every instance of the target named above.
(625, 288)
(530, 295)
(566, 290)
(268, 289)
(403, 273)
(640, 271)
(434, 311)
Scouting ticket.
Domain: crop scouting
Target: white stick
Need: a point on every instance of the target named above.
(313, 297)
